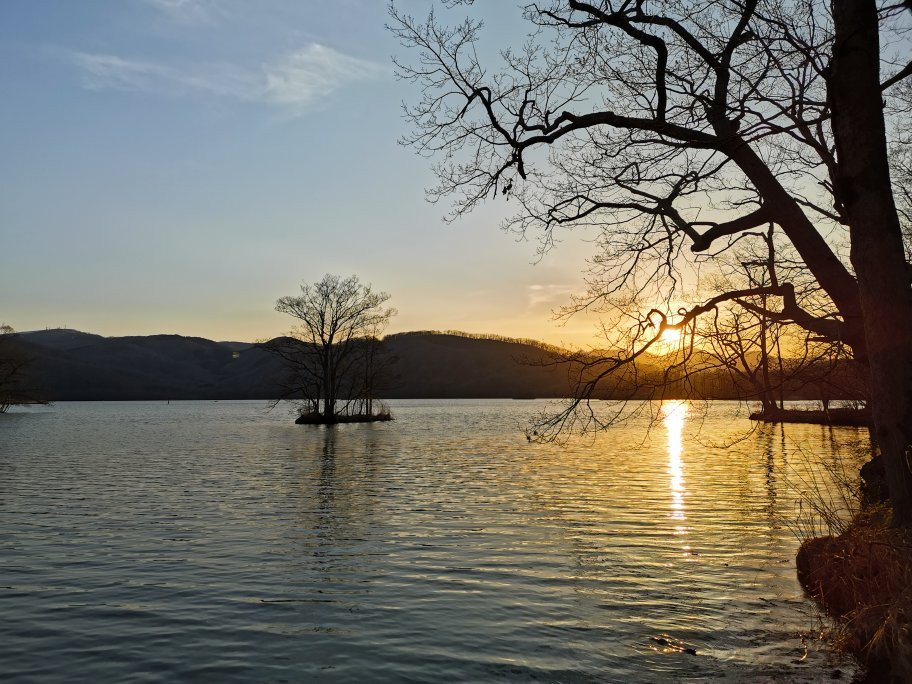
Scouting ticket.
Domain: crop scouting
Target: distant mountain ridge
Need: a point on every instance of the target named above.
(73, 365)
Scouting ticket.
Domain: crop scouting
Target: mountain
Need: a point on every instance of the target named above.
(440, 365)
(72, 365)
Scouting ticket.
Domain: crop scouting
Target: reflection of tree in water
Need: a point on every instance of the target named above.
(335, 516)
(326, 489)
(816, 472)
(766, 439)
(818, 475)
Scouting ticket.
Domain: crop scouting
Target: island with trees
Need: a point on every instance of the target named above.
(334, 356)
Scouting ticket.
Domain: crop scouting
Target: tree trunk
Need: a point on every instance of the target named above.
(863, 187)
(768, 402)
(817, 255)
(329, 397)
(369, 377)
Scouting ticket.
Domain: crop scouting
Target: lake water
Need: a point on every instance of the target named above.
(217, 541)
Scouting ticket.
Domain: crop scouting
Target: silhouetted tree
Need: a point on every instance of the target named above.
(376, 367)
(332, 353)
(13, 365)
(743, 338)
(864, 191)
(675, 129)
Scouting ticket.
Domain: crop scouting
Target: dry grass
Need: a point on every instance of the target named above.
(862, 577)
(829, 492)
(853, 563)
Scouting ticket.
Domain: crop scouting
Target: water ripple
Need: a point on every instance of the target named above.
(219, 542)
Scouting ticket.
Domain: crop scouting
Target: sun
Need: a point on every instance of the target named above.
(671, 336)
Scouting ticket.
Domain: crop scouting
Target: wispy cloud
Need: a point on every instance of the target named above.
(110, 72)
(185, 11)
(547, 296)
(314, 72)
(299, 81)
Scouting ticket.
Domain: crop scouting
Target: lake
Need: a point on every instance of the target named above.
(218, 541)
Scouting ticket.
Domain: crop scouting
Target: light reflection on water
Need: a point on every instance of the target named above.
(674, 413)
(218, 542)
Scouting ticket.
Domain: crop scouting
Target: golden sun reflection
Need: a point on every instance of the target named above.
(674, 413)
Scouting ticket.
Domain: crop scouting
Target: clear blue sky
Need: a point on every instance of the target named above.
(174, 166)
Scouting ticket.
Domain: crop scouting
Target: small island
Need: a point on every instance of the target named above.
(841, 416)
(316, 418)
(334, 358)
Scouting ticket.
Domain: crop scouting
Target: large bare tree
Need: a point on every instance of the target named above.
(14, 366)
(678, 129)
(332, 353)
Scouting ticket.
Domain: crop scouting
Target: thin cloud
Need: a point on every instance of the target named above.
(184, 11)
(299, 81)
(108, 71)
(547, 296)
(313, 73)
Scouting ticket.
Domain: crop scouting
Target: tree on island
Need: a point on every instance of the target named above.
(676, 131)
(14, 363)
(334, 355)
(768, 359)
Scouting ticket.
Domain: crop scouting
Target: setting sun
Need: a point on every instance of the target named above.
(671, 336)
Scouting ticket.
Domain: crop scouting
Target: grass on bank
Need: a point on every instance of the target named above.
(860, 574)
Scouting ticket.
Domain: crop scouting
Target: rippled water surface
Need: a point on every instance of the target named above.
(217, 541)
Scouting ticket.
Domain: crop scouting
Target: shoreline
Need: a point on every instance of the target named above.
(845, 417)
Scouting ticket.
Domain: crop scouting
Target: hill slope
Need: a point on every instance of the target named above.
(71, 365)
(435, 365)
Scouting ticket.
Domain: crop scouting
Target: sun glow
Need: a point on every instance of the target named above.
(671, 336)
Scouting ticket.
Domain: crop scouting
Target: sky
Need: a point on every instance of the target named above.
(175, 166)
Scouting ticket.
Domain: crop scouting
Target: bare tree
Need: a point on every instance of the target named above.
(863, 189)
(332, 353)
(743, 338)
(376, 367)
(675, 130)
(14, 363)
